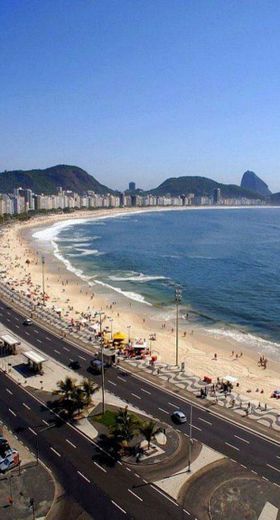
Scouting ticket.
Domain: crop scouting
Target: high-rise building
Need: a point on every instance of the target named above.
(132, 186)
(217, 196)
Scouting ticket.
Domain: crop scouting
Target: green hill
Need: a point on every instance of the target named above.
(201, 186)
(47, 181)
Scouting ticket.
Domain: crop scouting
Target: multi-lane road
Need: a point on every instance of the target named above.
(110, 489)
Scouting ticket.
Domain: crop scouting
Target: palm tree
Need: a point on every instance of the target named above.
(65, 388)
(149, 429)
(126, 426)
(88, 388)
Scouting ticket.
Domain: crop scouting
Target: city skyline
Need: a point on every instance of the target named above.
(141, 92)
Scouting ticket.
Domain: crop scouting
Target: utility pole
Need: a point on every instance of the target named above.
(43, 278)
(190, 440)
(111, 321)
(178, 298)
(102, 364)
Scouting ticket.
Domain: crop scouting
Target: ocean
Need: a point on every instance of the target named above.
(226, 262)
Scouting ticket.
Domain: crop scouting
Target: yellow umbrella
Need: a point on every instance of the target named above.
(119, 336)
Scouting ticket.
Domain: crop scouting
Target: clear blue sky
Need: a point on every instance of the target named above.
(142, 89)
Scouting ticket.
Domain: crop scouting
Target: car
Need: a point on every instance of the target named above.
(28, 321)
(179, 417)
(276, 394)
(75, 365)
(96, 366)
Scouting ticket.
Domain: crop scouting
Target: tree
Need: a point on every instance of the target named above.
(65, 388)
(88, 388)
(126, 426)
(149, 429)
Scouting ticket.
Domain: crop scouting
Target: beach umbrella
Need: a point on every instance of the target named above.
(119, 336)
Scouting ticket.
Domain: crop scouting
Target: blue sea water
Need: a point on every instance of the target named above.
(225, 261)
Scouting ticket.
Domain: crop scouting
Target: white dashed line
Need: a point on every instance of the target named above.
(17, 326)
(121, 379)
(12, 412)
(49, 339)
(81, 357)
(83, 476)
(231, 446)
(137, 396)
(9, 391)
(56, 452)
(243, 466)
(67, 349)
(273, 467)
(32, 431)
(100, 467)
(241, 439)
(145, 391)
(39, 341)
(36, 331)
(174, 405)
(111, 382)
(45, 422)
(71, 443)
(127, 469)
(164, 411)
(134, 494)
(119, 507)
(196, 428)
(204, 420)
(187, 513)
(264, 478)
(57, 352)
(27, 333)
(26, 406)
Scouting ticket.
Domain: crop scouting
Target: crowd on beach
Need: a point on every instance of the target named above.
(80, 304)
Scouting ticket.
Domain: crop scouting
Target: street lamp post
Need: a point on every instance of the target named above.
(190, 440)
(102, 363)
(43, 278)
(128, 328)
(178, 298)
(111, 321)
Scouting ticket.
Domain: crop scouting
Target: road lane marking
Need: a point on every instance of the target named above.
(273, 467)
(121, 379)
(204, 420)
(9, 391)
(57, 352)
(27, 333)
(174, 405)
(127, 469)
(164, 411)
(81, 357)
(36, 331)
(83, 476)
(185, 511)
(32, 431)
(164, 495)
(100, 467)
(111, 382)
(56, 452)
(231, 446)
(39, 341)
(196, 428)
(119, 507)
(137, 396)
(134, 494)
(71, 443)
(49, 339)
(241, 439)
(12, 412)
(67, 349)
(16, 318)
(17, 326)
(145, 391)
(45, 422)
(26, 406)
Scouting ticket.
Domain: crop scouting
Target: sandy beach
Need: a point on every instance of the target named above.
(202, 353)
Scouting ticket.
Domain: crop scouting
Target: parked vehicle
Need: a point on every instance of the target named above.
(75, 365)
(28, 321)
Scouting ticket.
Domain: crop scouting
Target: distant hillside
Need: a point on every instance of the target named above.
(46, 181)
(250, 181)
(200, 186)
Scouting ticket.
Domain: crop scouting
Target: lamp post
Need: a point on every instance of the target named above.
(128, 329)
(178, 298)
(43, 278)
(190, 440)
(102, 363)
(111, 321)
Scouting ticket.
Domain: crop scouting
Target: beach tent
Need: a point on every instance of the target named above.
(119, 336)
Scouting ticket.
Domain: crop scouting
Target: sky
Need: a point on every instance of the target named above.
(141, 90)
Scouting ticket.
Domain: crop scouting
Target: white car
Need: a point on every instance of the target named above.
(179, 417)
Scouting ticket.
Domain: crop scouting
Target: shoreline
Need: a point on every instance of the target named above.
(66, 290)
